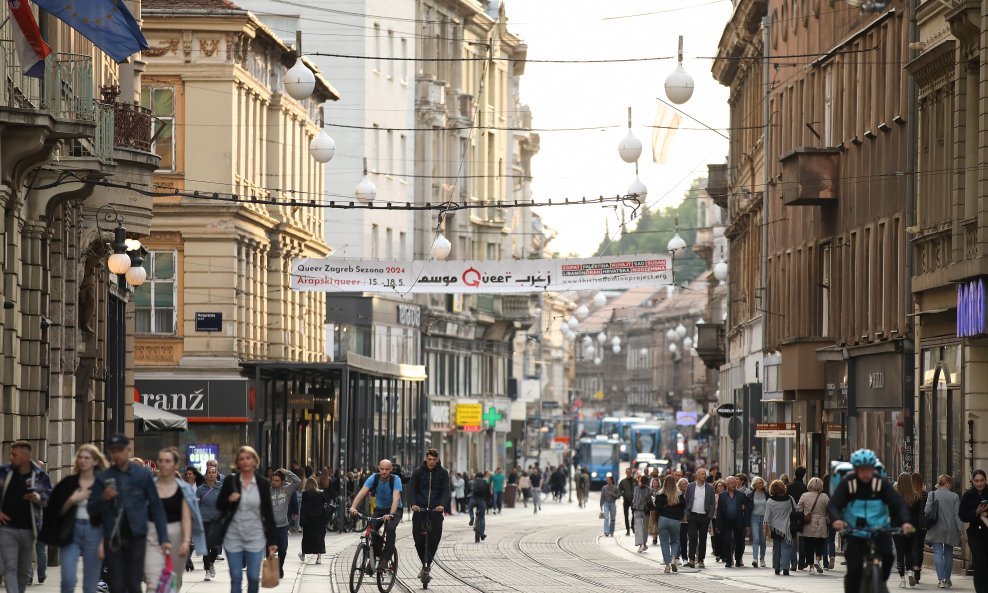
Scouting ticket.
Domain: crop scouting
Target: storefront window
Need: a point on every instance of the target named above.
(941, 420)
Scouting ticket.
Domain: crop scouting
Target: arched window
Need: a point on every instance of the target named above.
(941, 416)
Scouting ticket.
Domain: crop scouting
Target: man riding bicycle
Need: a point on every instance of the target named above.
(387, 498)
(430, 497)
(862, 503)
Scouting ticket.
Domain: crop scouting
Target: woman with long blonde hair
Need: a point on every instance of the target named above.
(904, 545)
(669, 507)
(758, 497)
(66, 521)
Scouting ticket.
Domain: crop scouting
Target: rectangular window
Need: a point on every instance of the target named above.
(869, 281)
(391, 55)
(161, 102)
(375, 159)
(402, 252)
(825, 287)
(389, 245)
(390, 157)
(375, 240)
(881, 304)
(403, 156)
(828, 106)
(154, 301)
(377, 48)
(404, 60)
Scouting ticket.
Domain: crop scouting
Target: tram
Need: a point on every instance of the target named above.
(645, 438)
(600, 456)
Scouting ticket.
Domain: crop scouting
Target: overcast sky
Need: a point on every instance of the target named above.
(586, 163)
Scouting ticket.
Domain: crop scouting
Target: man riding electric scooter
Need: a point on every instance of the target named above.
(430, 497)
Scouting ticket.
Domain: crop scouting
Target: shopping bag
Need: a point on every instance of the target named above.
(269, 572)
(168, 581)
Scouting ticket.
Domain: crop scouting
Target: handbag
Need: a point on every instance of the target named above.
(796, 523)
(808, 517)
(601, 515)
(933, 516)
(168, 582)
(269, 572)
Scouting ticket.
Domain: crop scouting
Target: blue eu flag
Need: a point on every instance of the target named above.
(107, 23)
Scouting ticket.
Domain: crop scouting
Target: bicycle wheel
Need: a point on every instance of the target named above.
(386, 578)
(357, 567)
(878, 584)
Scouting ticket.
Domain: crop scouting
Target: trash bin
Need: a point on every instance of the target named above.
(510, 492)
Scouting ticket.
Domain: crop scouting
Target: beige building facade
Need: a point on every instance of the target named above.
(218, 293)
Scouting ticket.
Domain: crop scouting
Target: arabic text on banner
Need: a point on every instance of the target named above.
(495, 276)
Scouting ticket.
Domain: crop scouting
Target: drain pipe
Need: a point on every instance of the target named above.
(911, 342)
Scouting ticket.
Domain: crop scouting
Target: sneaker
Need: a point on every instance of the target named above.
(674, 567)
(318, 560)
(207, 578)
(471, 523)
(819, 569)
(700, 564)
(691, 564)
(902, 582)
(912, 581)
(762, 563)
(941, 585)
(421, 573)
(667, 570)
(950, 583)
(483, 537)
(785, 573)
(755, 564)
(212, 572)
(644, 547)
(301, 556)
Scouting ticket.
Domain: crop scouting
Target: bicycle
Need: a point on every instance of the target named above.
(871, 577)
(426, 576)
(342, 521)
(365, 561)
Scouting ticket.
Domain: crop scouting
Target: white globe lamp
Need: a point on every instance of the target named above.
(638, 189)
(441, 247)
(136, 275)
(582, 312)
(322, 148)
(299, 81)
(681, 331)
(572, 322)
(601, 337)
(673, 348)
(720, 271)
(671, 334)
(676, 245)
(687, 342)
(599, 299)
(597, 361)
(630, 148)
(679, 84)
(616, 348)
(366, 191)
(118, 263)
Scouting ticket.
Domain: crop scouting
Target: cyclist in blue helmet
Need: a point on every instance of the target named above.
(864, 501)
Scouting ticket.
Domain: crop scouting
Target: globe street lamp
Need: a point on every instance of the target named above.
(679, 84)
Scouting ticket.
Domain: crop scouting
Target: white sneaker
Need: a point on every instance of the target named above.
(941, 585)
(668, 569)
(212, 572)
(301, 556)
(207, 578)
(902, 583)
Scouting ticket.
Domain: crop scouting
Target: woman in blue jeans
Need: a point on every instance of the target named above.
(776, 522)
(67, 525)
(943, 531)
(669, 506)
(608, 505)
(759, 498)
(245, 498)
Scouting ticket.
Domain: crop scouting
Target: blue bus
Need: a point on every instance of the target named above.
(600, 456)
(608, 426)
(645, 438)
(623, 430)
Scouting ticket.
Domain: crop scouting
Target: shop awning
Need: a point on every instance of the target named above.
(151, 419)
(702, 423)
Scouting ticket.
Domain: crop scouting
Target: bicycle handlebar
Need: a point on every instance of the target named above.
(853, 531)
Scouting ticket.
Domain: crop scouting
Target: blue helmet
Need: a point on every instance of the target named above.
(864, 457)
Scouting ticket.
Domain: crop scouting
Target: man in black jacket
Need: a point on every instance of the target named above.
(627, 488)
(796, 489)
(430, 497)
(480, 499)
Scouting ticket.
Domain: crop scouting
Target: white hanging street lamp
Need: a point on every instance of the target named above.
(597, 361)
(720, 271)
(679, 84)
(638, 189)
(582, 312)
(671, 334)
(587, 342)
(441, 247)
(643, 352)
(322, 148)
(630, 148)
(366, 191)
(572, 322)
(601, 337)
(673, 347)
(615, 340)
(616, 348)
(127, 257)
(599, 299)
(868, 5)
(299, 81)
(676, 245)
(681, 331)
(687, 343)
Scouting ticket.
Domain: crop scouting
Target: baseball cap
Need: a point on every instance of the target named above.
(117, 440)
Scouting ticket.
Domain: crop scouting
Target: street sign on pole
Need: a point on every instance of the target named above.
(734, 428)
(728, 411)
(777, 430)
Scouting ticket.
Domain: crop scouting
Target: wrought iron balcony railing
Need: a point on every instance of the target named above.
(65, 91)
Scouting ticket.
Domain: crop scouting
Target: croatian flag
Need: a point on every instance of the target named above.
(31, 48)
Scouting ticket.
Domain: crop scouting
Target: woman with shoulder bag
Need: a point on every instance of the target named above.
(639, 507)
(778, 509)
(67, 523)
(813, 504)
(653, 516)
(245, 499)
(208, 494)
(943, 528)
(669, 506)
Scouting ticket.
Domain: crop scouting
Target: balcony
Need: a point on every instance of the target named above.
(810, 176)
(132, 127)
(717, 184)
(710, 344)
(515, 307)
(66, 91)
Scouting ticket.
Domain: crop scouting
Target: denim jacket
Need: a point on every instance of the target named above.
(138, 497)
(198, 532)
(41, 485)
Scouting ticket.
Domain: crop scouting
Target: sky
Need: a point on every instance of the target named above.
(586, 163)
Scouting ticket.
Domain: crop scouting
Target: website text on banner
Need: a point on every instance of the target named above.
(520, 276)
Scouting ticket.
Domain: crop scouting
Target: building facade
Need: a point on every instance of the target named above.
(66, 322)
(217, 294)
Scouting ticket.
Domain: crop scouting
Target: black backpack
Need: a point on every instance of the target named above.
(377, 481)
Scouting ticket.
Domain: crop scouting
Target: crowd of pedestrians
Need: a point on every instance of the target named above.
(682, 513)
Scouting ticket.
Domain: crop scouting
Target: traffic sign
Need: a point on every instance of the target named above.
(728, 411)
(734, 427)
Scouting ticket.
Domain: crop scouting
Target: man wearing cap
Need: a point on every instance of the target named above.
(24, 490)
(124, 499)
